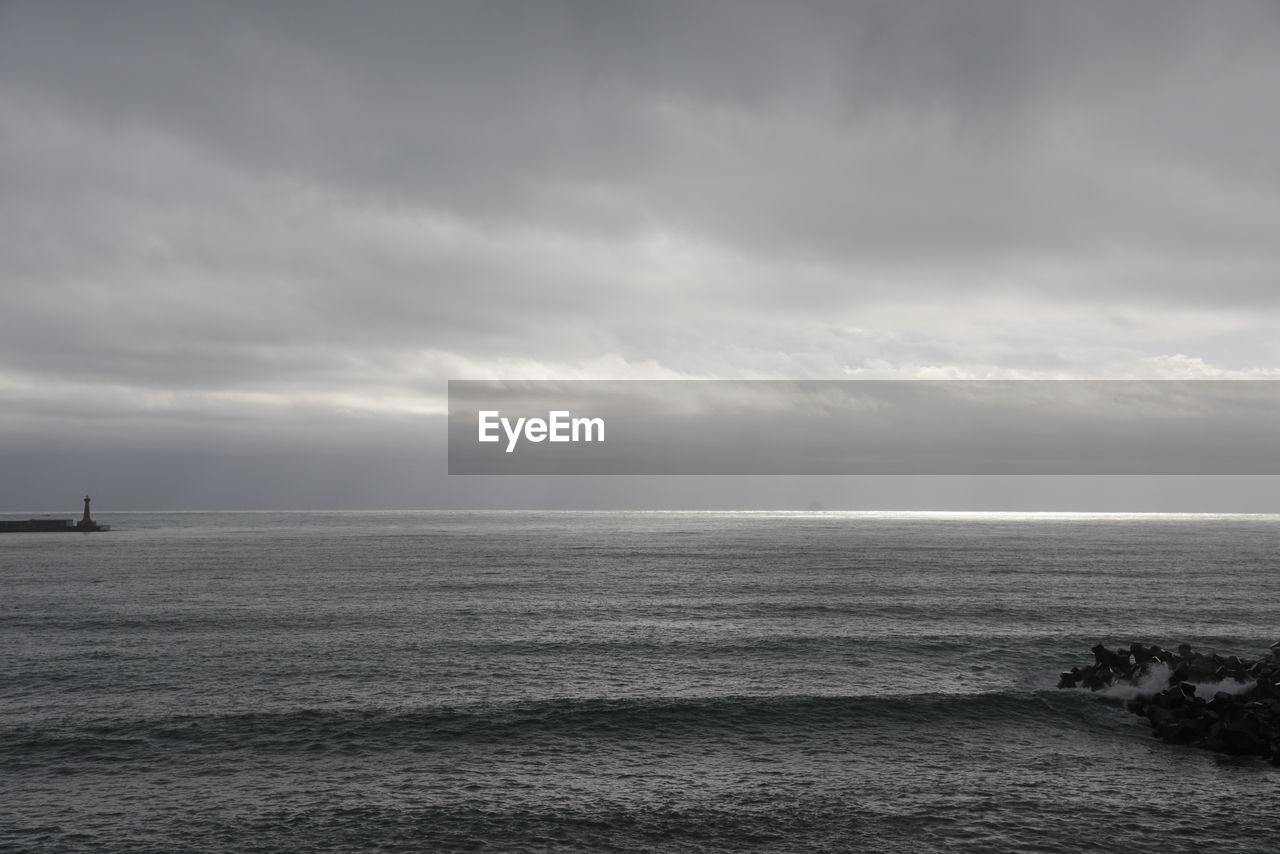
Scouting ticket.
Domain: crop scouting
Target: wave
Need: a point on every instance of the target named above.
(443, 728)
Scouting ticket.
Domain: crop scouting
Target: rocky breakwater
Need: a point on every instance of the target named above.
(1223, 703)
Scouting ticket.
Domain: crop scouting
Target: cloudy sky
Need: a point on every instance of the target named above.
(243, 246)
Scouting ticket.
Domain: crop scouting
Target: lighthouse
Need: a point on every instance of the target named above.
(86, 522)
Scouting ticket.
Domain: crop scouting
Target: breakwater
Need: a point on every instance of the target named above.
(1227, 703)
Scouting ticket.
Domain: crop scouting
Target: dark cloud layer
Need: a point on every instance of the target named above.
(269, 214)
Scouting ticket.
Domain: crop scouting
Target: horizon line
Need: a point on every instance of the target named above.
(775, 510)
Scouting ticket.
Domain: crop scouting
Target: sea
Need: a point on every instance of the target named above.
(618, 682)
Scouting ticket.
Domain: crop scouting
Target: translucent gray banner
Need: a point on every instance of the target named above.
(773, 427)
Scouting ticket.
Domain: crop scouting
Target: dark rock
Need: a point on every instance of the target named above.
(1243, 723)
(1114, 660)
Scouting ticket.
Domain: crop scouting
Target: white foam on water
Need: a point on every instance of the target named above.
(1156, 680)
(1229, 686)
(1152, 682)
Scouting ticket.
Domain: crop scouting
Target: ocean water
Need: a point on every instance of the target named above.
(596, 682)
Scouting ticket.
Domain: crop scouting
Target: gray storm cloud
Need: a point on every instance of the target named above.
(243, 224)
